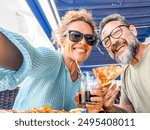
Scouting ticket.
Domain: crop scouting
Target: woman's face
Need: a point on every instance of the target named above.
(78, 51)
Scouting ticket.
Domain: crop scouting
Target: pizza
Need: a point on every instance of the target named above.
(105, 75)
(45, 109)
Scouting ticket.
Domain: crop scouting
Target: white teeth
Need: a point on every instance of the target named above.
(80, 50)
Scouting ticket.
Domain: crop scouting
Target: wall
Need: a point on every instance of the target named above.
(16, 16)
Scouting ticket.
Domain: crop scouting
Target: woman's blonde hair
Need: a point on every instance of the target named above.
(69, 17)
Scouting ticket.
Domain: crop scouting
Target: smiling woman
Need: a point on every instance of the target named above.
(77, 50)
(48, 75)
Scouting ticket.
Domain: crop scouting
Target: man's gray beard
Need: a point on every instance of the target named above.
(127, 56)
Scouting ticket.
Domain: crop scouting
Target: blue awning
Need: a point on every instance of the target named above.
(39, 14)
(137, 12)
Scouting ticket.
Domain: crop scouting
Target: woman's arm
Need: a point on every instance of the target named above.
(19, 59)
(10, 56)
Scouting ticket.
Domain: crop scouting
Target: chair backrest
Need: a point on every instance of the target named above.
(7, 98)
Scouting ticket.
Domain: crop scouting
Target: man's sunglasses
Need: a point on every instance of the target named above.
(76, 36)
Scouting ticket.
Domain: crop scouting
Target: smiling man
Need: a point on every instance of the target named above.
(120, 40)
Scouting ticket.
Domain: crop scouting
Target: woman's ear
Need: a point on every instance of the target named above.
(132, 28)
(62, 43)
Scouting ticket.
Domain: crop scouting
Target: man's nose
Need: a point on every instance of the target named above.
(113, 40)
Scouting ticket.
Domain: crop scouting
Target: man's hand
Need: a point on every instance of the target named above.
(109, 97)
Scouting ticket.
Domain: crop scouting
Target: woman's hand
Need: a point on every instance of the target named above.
(76, 98)
(97, 99)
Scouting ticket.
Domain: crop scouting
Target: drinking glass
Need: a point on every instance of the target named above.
(88, 83)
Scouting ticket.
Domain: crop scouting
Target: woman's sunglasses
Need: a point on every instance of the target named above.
(76, 36)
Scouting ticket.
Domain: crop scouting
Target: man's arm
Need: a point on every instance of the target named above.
(121, 108)
(109, 98)
(128, 108)
(10, 56)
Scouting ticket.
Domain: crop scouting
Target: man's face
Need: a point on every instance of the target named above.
(120, 40)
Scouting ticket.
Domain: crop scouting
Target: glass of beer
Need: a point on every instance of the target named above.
(88, 83)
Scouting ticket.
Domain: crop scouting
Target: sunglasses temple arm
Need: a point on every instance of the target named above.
(99, 49)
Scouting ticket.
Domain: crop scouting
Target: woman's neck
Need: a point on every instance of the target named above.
(72, 67)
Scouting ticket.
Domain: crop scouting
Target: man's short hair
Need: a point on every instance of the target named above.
(110, 18)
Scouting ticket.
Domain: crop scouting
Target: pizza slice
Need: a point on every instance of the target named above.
(105, 75)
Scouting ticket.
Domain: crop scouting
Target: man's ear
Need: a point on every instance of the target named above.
(132, 28)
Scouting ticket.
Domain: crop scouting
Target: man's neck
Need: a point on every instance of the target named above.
(141, 50)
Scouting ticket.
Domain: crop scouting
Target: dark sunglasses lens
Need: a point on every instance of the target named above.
(91, 39)
(75, 36)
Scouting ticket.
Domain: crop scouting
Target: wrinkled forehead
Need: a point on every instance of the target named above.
(109, 27)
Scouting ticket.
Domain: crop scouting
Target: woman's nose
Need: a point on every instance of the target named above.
(83, 41)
